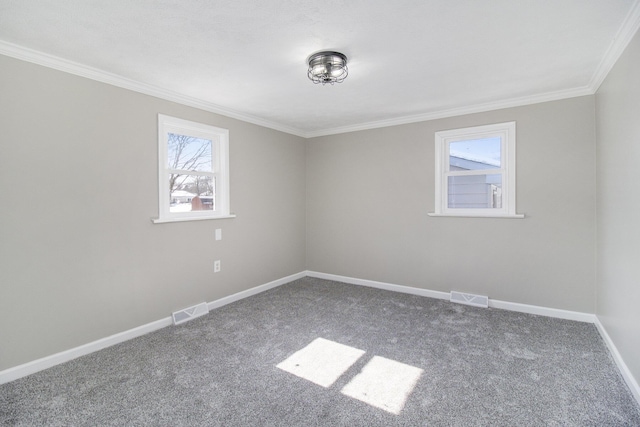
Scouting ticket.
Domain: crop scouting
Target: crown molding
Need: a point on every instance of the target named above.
(440, 114)
(71, 67)
(623, 37)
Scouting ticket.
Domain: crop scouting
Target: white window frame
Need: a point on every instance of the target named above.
(220, 158)
(443, 139)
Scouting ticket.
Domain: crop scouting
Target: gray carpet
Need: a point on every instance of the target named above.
(456, 365)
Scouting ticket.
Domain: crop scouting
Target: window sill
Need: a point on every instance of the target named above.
(193, 218)
(471, 215)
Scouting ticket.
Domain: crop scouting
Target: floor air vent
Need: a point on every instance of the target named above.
(190, 313)
(470, 299)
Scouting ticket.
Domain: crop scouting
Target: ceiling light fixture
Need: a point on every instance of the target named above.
(327, 67)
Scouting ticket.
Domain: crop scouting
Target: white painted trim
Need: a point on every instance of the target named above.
(455, 215)
(57, 63)
(381, 285)
(67, 355)
(253, 291)
(624, 369)
(503, 305)
(542, 311)
(623, 37)
(71, 67)
(460, 111)
(219, 157)
(625, 34)
(32, 367)
(191, 218)
(507, 133)
(23, 370)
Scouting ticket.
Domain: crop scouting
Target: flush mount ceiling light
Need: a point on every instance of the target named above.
(327, 67)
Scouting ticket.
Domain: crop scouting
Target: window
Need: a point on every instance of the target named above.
(193, 170)
(476, 171)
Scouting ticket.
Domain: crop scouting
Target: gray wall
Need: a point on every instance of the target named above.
(369, 192)
(618, 150)
(79, 257)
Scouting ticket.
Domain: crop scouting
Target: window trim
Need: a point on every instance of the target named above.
(220, 156)
(507, 133)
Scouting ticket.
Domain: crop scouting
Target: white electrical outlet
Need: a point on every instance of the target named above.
(218, 233)
(216, 266)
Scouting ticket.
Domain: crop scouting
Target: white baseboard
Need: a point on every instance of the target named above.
(55, 359)
(624, 369)
(542, 311)
(381, 285)
(40, 364)
(253, 291)
(504, 305)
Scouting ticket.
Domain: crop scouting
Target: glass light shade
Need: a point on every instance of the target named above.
(327, 67)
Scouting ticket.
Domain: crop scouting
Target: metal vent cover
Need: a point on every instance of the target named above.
(469, 299)
(189, 313)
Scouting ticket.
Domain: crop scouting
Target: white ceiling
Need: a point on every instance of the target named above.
(409, 60)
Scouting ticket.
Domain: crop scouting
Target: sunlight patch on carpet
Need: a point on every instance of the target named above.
(322, 361)
(384, 383)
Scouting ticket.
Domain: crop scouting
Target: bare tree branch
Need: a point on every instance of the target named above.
(186, 153)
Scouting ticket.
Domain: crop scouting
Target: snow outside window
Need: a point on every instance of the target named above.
(193, 170)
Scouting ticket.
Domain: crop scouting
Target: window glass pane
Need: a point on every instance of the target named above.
(189, 153)
(475, 154)
(191, 193)
(475, 192)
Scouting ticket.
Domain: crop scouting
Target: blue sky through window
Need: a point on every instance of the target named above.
(483, 150)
